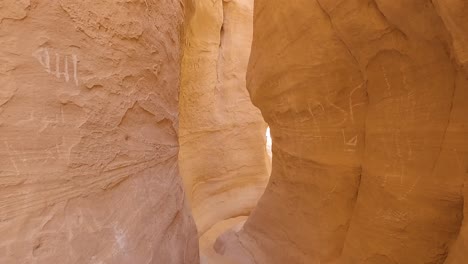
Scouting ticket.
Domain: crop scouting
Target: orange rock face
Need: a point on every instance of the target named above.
(88, 133)
(366, 101)
(223, 155)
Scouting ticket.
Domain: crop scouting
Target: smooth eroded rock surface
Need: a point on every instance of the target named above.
(88, 133)
(223, 155)
(366, 101)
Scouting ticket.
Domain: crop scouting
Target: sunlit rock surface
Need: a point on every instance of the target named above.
(88, 133)
(366, 101)
(223, 155)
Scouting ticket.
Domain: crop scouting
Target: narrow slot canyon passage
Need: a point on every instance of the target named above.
(223, 157)
(234, 132)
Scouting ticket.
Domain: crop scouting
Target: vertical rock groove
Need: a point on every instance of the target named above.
(223, 155)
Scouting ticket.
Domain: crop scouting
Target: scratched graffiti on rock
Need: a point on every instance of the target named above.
(60, 66)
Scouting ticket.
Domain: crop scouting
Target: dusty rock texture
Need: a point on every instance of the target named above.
(223, 158)
(366, 101)
(88, 133)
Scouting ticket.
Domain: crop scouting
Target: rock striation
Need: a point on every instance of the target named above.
(366, 101)
(88, 133)
(223, 155)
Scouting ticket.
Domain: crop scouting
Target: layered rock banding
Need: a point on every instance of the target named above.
(88, 133)
(223, 157)
(366, 101)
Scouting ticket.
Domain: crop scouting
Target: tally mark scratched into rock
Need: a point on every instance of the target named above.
(43, 56)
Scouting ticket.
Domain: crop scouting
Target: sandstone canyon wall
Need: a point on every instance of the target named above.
(88, 133)
(366, 101)
(222, 135)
